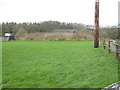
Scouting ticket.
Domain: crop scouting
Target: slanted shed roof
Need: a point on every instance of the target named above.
(7, 34)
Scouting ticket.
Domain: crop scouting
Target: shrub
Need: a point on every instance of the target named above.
(21, 34)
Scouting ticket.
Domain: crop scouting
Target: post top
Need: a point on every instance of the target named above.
(96, 0)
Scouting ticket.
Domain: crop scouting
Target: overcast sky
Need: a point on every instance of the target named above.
(78, 11)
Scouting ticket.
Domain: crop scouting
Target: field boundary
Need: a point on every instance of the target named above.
(112, 46)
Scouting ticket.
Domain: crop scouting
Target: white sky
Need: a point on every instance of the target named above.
(78, 11)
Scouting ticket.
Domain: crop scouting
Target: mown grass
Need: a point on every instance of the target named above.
(57, 64)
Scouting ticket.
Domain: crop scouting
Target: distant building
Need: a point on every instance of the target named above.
(9, 37)
(66, 30)
(90, 27)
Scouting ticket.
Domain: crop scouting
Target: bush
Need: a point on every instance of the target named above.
(109, 33)
(21, 34)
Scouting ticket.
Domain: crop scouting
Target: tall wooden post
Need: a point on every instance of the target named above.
(96, 31)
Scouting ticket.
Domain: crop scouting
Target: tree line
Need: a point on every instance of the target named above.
(112, 32)
(46, 26)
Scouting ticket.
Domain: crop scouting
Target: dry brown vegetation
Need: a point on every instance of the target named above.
(108, 33)
(82, 35)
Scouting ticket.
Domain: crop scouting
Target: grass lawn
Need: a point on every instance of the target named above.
(57, 64)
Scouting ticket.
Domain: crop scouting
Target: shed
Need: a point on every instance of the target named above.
(9, 37)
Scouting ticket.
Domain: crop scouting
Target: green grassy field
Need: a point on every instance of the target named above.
(57, 64)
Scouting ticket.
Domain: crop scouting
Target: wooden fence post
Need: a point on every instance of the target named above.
(117, 51)
(109, 46)
(104, 44)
